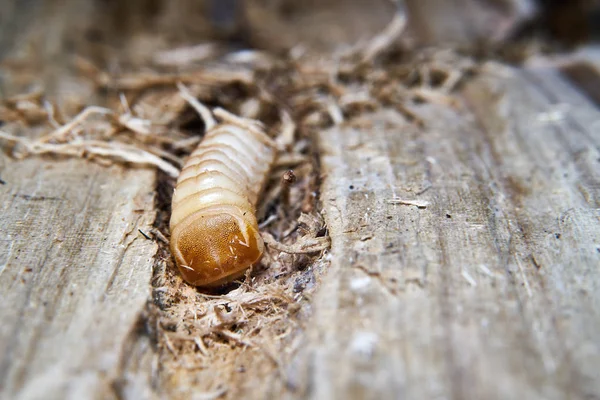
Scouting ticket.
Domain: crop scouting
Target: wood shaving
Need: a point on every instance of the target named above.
(303, 246)
(185, 55)
(385, 39)
(210, 395)
(90, 148)
(416, 203)
(201, 109)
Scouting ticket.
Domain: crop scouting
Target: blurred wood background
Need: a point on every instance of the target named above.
(465, 253)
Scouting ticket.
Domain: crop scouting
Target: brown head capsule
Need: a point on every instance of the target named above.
(214, 232)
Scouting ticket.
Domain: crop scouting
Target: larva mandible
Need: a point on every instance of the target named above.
(214, 232)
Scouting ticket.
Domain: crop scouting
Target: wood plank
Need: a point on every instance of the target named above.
(489, 292)
(74, 277)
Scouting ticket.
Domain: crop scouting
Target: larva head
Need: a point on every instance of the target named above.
(215, 245)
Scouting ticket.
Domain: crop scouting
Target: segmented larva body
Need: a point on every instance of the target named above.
(214, 232)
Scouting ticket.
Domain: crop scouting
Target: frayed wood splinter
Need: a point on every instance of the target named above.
(306, 245)
(404, 202)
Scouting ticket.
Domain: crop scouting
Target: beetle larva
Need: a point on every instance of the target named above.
(214, 232)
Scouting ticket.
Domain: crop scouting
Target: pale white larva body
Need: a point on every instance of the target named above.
(214, 232)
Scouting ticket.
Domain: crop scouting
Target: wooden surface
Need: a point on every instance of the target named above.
(464, 263)
(74, 277)
(492, 290)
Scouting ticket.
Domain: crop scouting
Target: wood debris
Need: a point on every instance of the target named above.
(417, 203)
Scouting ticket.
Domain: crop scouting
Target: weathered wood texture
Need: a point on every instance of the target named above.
(467, 22)
(74, 277)
(492, 291)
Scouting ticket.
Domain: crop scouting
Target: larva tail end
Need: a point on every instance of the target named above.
(212, 249)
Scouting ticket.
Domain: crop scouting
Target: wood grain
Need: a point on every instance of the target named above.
(74, 277)
(492, 290)
(464, 262)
